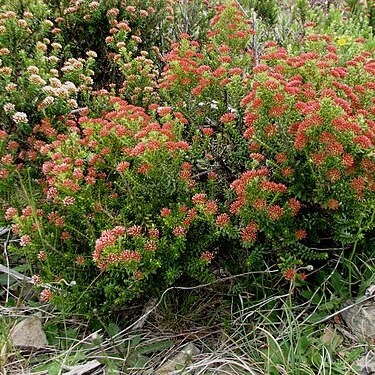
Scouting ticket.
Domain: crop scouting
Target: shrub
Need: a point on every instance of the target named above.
(117, 212)
(299, 145)
(311, 121)
(35, 81)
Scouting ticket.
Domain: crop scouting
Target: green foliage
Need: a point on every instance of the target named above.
(267, 10)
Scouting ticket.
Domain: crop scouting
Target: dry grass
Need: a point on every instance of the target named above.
(234, 335)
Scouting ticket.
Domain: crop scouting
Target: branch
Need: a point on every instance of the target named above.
(15, 274)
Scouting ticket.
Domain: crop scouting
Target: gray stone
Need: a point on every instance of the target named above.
(360, 318)
(366, 363)
(182, 358)
(29, 333)
(82, 369)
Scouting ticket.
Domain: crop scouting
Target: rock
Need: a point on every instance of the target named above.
(181, 359)
(360, 318)
(366, 363)
(82, 369)
(29, 333)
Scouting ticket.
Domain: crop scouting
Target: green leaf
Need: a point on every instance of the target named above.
(137, 361)
(22, 268)
(353, 354)
(4, 279)
(317, 316)
(330, 305)
(51, 368)
(338, 284)
(52, 332)
(135, 341)
(155, 347)
(303, 344)
(113, 329)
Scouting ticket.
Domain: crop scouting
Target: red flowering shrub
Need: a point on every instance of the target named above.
(117, 206)
(311, 120)
(299, 143)
(208, 80)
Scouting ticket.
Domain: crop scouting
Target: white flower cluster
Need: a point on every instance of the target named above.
(11, 87)
(36, 79)
(73, 64)
(58, 89)
(4, 51)
(19, 117)
(48, 23)
(92, 54)
(32, 69)
(9, 107)
(56, 46)
(48, 100)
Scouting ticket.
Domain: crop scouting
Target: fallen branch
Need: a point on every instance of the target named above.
(82, 369)
(15, 274)
(19, 276)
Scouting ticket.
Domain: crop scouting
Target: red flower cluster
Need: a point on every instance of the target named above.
(249, 233)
